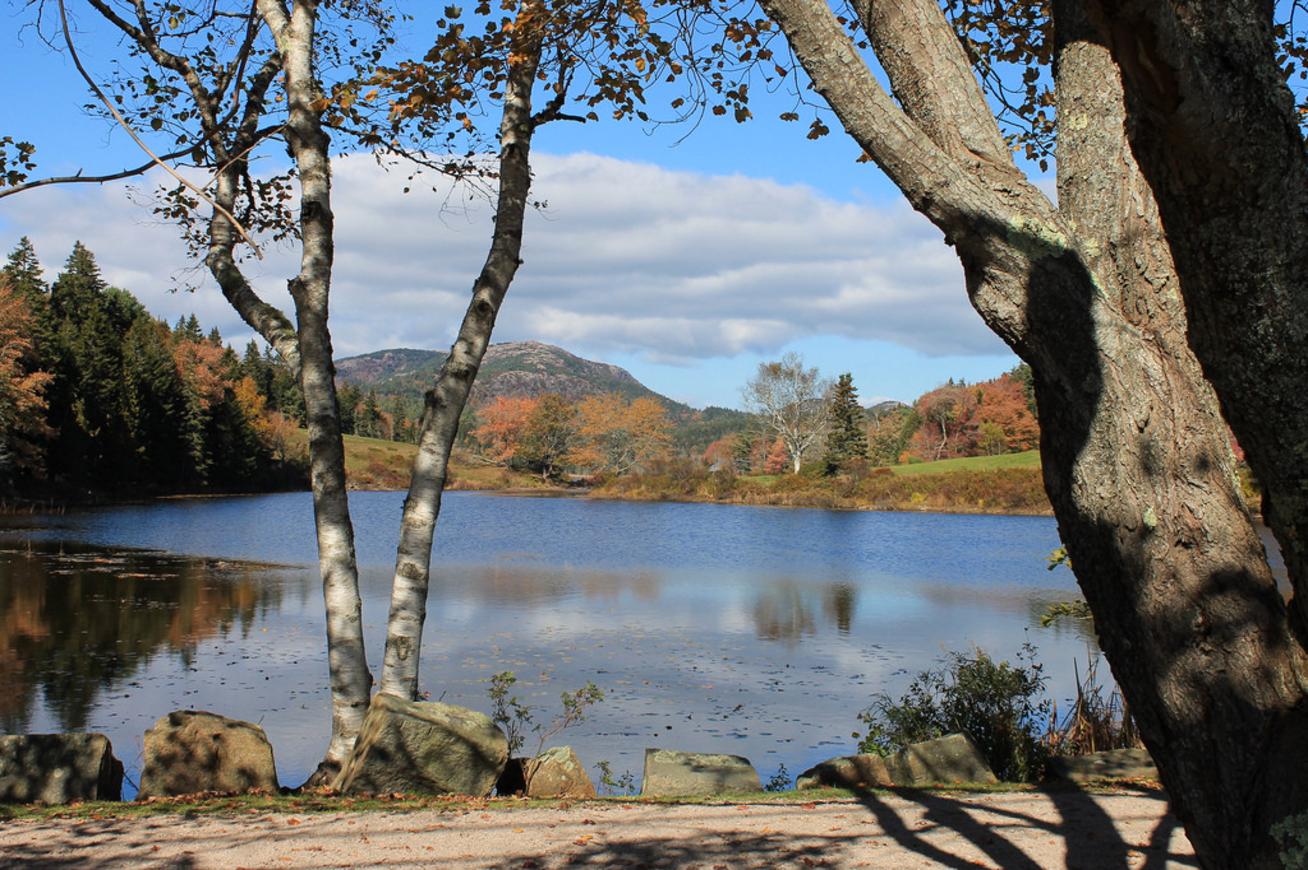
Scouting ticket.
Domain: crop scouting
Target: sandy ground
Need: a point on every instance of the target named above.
(1025, 830)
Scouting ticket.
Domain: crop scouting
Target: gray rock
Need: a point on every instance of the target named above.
(945, 760)
(1112, 764)
(417, 747)
(558, 773)
(190, 751)
(683, 774)
(58, 769)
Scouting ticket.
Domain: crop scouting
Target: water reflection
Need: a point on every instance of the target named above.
(75, 622)
(784, 610)
(711, 628)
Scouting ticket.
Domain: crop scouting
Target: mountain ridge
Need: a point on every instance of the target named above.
(509, 369)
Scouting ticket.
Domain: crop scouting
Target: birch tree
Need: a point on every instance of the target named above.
(578, 57)
(221, 81)
(791, 399)
(1133, 446)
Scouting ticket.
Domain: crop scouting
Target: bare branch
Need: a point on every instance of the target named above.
(154, 158)
(79, 178)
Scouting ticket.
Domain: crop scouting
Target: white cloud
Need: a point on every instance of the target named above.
(628, 257)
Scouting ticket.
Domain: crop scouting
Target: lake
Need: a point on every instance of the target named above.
(755, 631)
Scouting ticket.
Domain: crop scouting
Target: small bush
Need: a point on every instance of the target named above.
(1001, 706)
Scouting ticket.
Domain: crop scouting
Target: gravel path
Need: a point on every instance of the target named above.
(1021, 830)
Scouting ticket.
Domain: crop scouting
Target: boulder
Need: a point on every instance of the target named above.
(1112, 764)
(190, 751)
(58, 769)
(953, 758)
(683, 774)
(417, 747)
(557, 773)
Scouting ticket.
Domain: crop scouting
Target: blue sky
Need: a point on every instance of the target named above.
(686, 262)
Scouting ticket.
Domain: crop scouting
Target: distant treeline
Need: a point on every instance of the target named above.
(98, 397)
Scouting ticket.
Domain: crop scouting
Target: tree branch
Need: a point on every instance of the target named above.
(100, 94)
(79, 178)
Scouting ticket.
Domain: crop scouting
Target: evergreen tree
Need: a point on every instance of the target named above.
(368, 420)
(846, 437)
(24, 274)
(348, 398)
(215, 337)
(742, 453)
(78, 286)
(165, 431)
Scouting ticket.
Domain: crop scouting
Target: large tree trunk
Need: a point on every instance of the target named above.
(445, 401)
(351, 681)
(1216, 132)
(1134, 452)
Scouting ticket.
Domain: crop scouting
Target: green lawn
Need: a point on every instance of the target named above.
(1029, 459)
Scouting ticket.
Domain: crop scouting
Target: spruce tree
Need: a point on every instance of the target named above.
(24, 273)
(742, 453)
(78, 287)
(846, 438)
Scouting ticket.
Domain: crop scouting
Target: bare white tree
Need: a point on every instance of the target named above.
(792, 400)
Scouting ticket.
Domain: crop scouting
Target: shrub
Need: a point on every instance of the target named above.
(1001, 706)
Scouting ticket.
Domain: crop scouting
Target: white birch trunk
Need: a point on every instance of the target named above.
(351, 681)
(446, 400)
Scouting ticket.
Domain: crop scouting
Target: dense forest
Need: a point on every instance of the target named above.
(99, 397)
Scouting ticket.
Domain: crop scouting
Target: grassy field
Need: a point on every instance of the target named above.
(1029, 459)
(374, 463)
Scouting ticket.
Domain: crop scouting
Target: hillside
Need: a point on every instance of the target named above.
(515, 368)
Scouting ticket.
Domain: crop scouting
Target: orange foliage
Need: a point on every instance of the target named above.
(22, 392)
(272, 427)
(778, 458)
(200, 365)
(1003, 403)
(987, 418)
(617, 435)
(503, 425)
(721, 452)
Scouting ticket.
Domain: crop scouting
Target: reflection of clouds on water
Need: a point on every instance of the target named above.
(758, 632)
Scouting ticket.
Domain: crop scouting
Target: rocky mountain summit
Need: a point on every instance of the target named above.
(514, 368)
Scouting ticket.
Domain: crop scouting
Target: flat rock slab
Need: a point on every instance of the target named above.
(683, 774)
(190, 751)
(944, 761)
(58, 769)
(1112, 764)
(415, 747)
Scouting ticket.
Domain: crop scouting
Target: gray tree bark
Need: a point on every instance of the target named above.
(228, 135)
(1217, 134)
(445, 401)
(1133, 447)
(351, 681)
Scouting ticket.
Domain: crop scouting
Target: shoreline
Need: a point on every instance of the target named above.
(811, 500)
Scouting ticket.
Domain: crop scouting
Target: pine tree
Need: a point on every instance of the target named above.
(846, 438)
(742, 453)
(23, 272)
(78, 287)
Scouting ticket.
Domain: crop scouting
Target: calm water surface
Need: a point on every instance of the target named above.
(755, 631)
